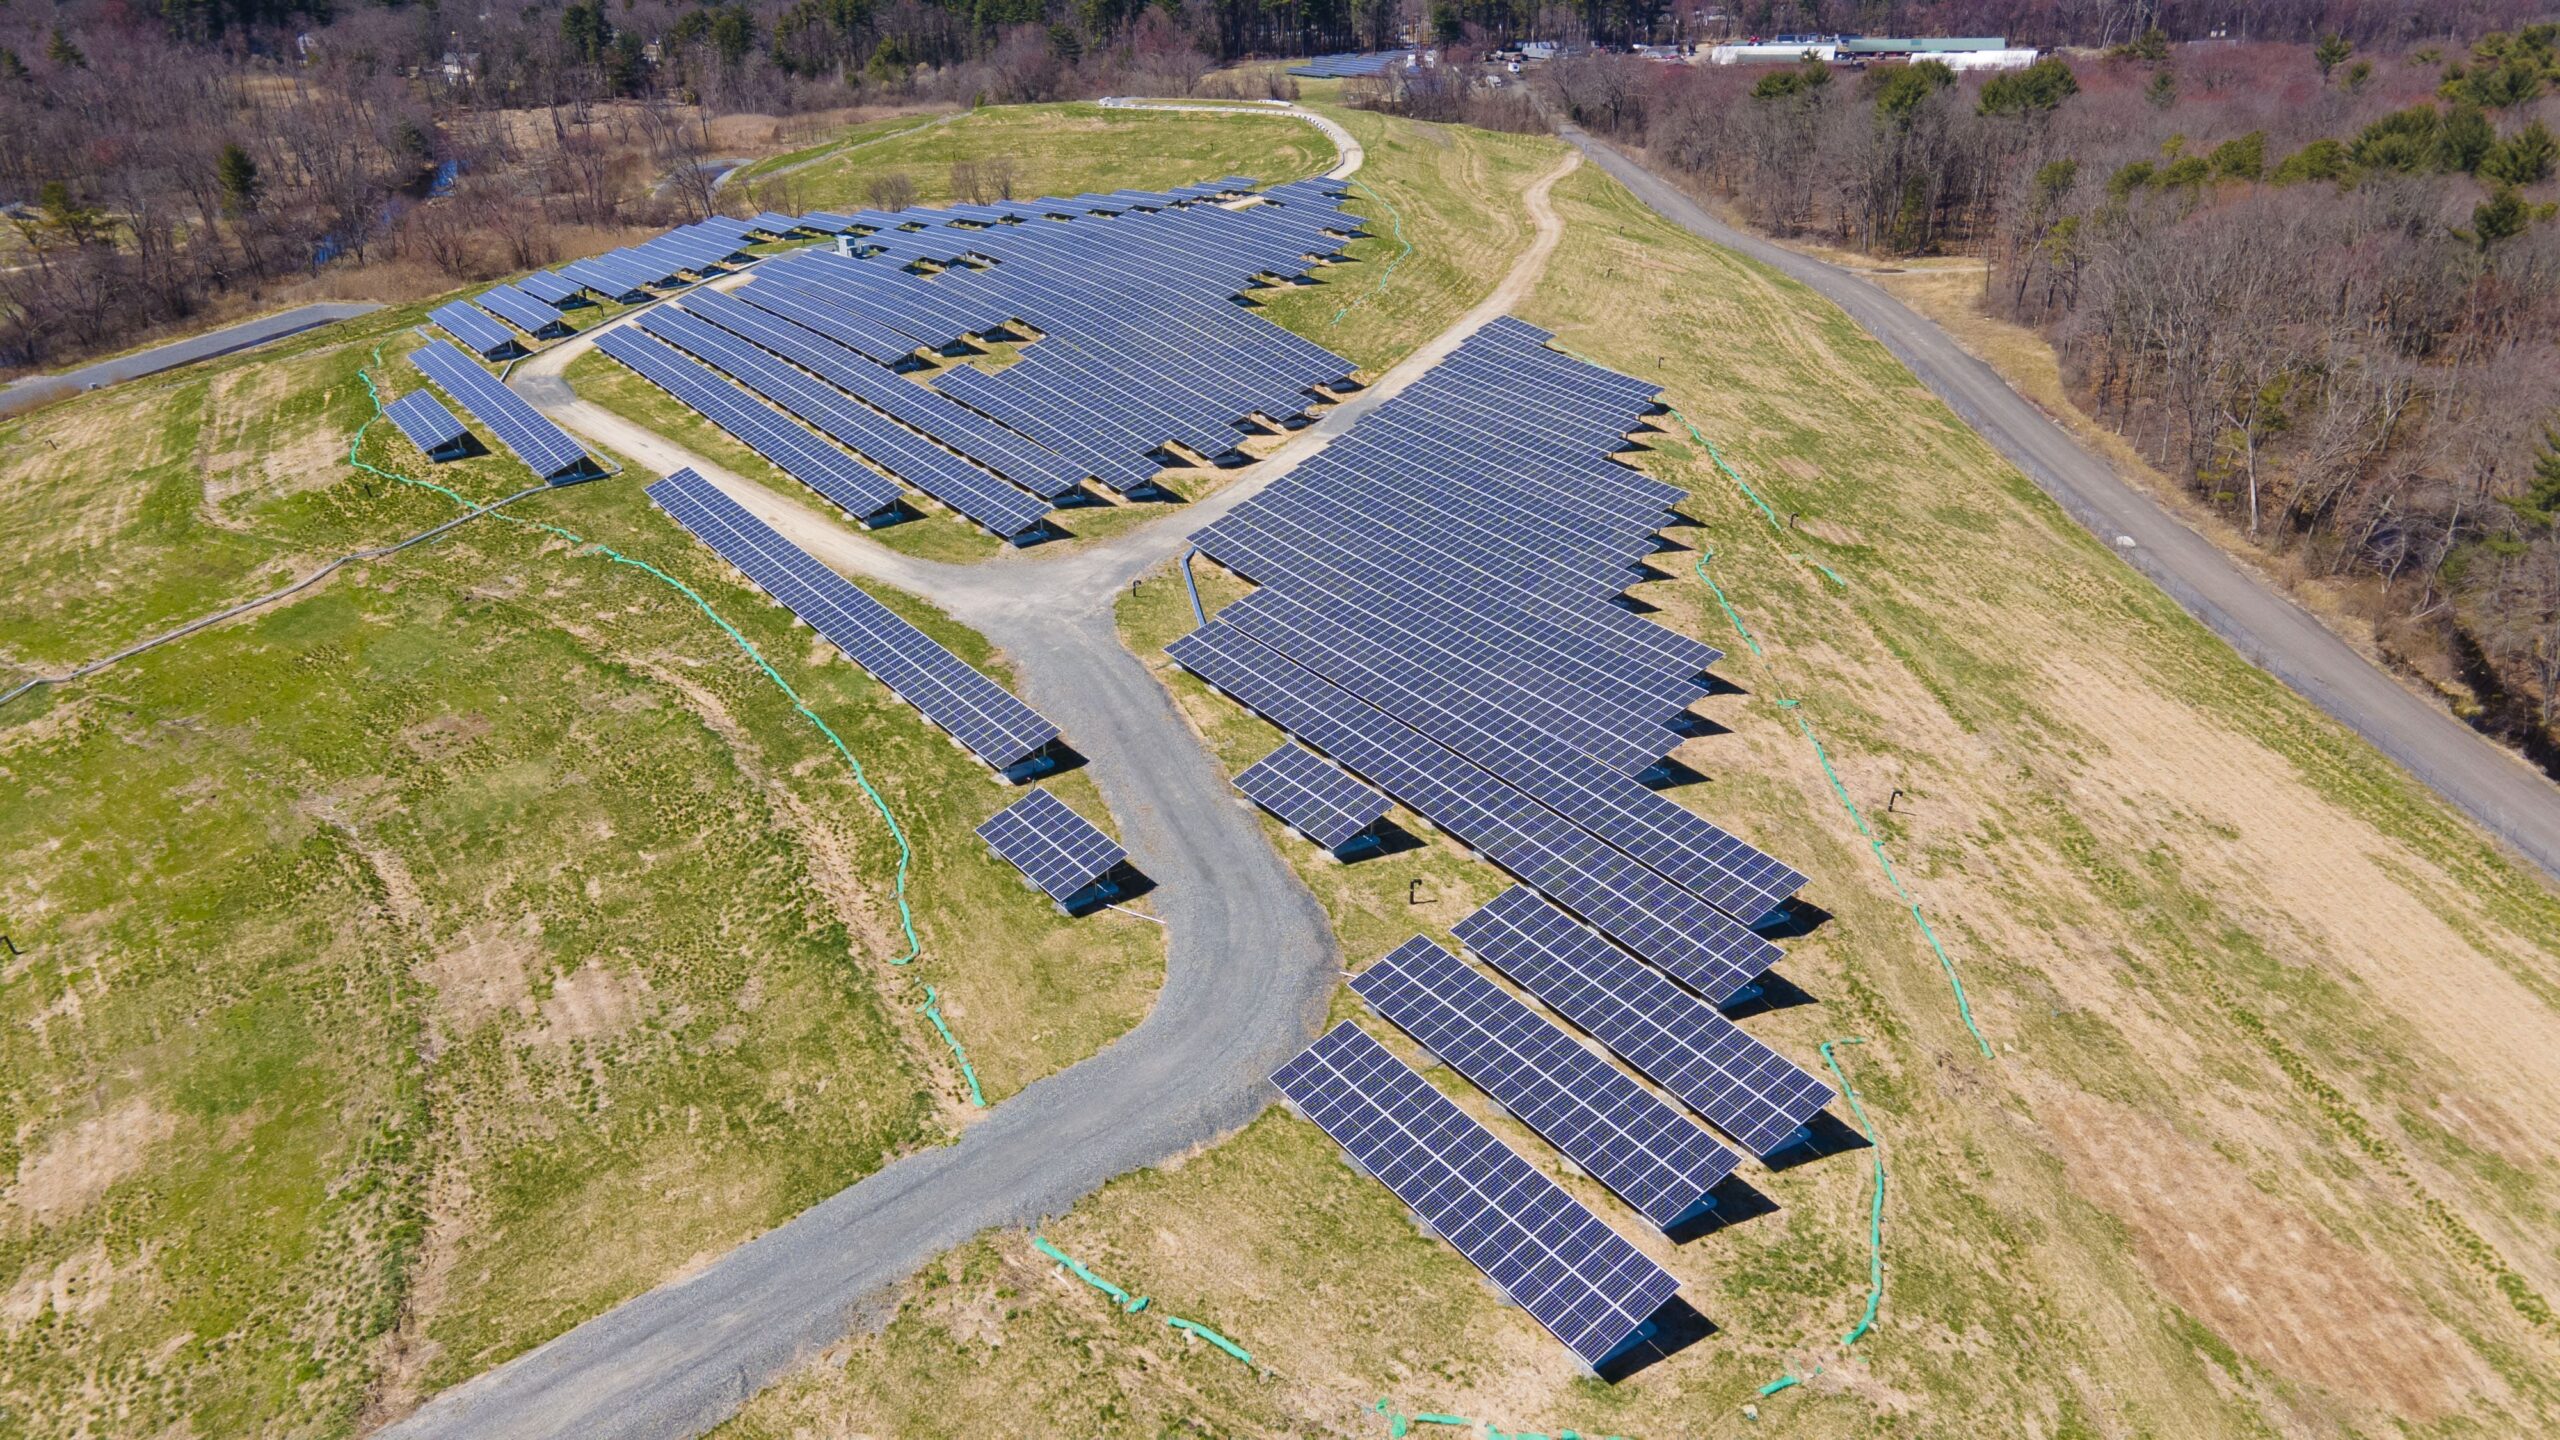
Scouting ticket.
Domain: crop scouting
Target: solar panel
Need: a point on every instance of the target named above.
(1312, 795)
(1553, 1257)
(523, 311)
(1655, 1158)
(429, 426)
(1741, 1086)
(1038, 470)
(1062, 852)
(1669, 926)
(853, 487)
(544, 286)
(958, 483)
(545, 448)
(475, 329)
(973, 709)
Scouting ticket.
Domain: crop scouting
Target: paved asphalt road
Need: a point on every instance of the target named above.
(1250, 965)
(2508, 797)
(35, 389)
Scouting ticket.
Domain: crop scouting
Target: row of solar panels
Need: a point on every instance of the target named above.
(1349, 65)
(1410, 625)
(703, 250)
(1055, 848)
(1438, 611)
(546, 449)
(798, 364)
(982, 716)
(1576, 1276)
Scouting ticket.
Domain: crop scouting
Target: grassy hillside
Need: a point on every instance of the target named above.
(1054, 149)
(2255, 1150)
(409, 971)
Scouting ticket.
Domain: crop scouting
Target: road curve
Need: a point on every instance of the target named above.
(1348, 156)
(1249, 967)
(2490, 784)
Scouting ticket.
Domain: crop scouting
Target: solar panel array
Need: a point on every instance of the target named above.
(973, 709)
(851, 486)
(1736, 1083)
(1652, 1156)
(523, 311)
(1313, 795)
(545, 448)
(962, 484)
(1061, 851)
(1138, 345)
(1137, 351)
(1551, 1255)
(703, 250)
(1034, 467)
(1435, 611)
(423, 418)
(1349, 65)
(474, 328)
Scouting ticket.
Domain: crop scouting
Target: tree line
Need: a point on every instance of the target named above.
(2318, 284)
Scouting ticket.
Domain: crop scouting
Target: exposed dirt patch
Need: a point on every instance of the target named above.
(79, 1285)
(259, 464)
(2282, 843)
(2266, 1277)
(593, 1003)
(446, 735)
(484, 976)
(67, 1173)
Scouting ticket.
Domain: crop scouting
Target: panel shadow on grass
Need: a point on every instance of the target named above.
(1737, 1201)
(1827, 1136)
(1676, 1326)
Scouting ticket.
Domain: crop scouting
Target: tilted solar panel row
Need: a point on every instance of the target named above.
(958, 483)
(1312, 795)
(523, 311)
(1059, 850)
(473, 328)
(846, 482)
(1652, 1156)
(550, 288)
(1557, 1261)
(1685, 1045)
(608, 283)
(1684, 935)
(1041, 471)
(545, 448)
(973, 709)
(426, 422)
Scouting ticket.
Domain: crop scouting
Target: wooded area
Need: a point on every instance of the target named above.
(2317, 285)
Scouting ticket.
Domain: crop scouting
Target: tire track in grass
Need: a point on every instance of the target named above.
(579, 544)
